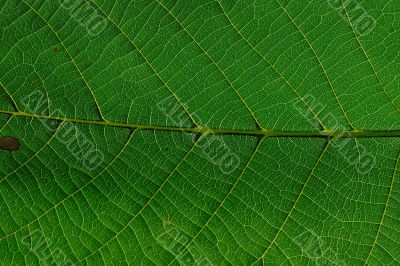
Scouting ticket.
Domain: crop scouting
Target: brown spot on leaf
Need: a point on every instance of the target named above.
(56, 49)
(9, 143)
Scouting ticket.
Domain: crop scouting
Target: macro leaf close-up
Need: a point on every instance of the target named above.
(185, 132)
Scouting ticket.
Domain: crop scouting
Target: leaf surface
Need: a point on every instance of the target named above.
(210, 132)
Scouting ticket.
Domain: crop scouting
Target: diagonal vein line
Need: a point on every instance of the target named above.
(214, 63)
(147, 62)
(319, 62)
(79, 189)
(36, 153)
(259, 142)
(148, 202)
(287, 257)
(6, 123)
(71, 58)
(369, 61)
(272, 66)
(13, 102)
(296, 200)
(384, 210)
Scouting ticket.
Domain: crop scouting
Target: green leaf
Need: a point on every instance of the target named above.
(226, 132)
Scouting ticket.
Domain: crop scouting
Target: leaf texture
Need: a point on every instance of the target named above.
(227, 132)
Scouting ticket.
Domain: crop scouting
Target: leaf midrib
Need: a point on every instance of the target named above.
(205, 130)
